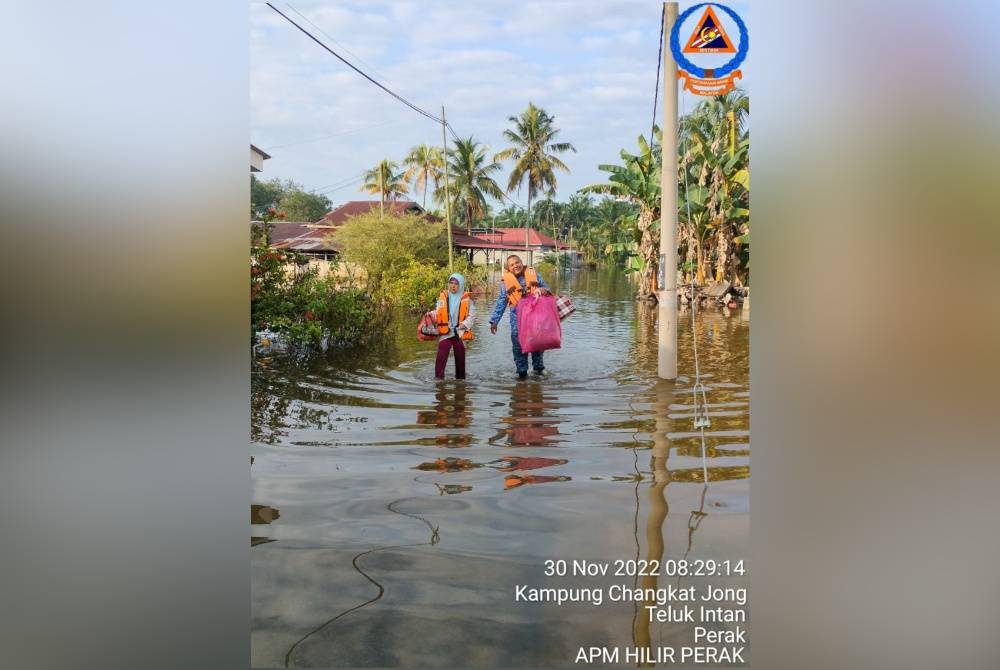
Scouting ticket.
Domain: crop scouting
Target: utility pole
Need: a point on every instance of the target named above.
(447, 198)
(381, 194)
(667, 335)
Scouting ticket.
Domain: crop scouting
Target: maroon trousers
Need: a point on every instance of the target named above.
(444, 348)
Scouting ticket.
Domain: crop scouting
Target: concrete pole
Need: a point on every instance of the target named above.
(447, 198)
(667, 335)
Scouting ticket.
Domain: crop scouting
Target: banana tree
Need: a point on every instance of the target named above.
(638, 181)
(715, 184)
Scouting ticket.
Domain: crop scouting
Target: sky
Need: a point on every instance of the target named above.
(591, 65)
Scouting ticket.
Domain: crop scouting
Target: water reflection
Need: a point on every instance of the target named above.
(349, 449)
(452, 409)
(532, 420)
(512, 463)
(262, 515)
(513, 481)
(452, 489)
(449, 464)
(658, 508)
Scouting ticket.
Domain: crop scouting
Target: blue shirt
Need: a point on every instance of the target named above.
(502, 301)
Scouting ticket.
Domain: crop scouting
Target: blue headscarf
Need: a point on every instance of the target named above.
(455, 299)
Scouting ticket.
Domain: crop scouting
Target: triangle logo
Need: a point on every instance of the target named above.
(709, 36)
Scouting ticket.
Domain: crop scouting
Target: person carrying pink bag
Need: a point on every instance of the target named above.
(538, 324)
(518, 282)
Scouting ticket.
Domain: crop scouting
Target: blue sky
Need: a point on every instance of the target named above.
(592, 65)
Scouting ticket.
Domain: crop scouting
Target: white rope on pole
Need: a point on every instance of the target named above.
(701, 420)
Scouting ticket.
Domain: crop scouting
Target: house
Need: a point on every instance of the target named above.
(315, 241)
(257, 158)
(462, 241)
(528, 243)
(312, 241)
(339, 215)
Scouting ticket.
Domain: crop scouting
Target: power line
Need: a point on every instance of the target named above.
(352, 182)
(659, 62)
(403, 100)
(329, 37)
(350, 65)
(335, 183)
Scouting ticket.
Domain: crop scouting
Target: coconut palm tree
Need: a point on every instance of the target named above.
(424, 167)
(471, 180)
(533, 152)
(511, 217)
(387, 180)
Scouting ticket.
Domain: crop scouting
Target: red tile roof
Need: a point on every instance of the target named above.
(339, 215)
(464, 241)
(299, 236)
(514, 238)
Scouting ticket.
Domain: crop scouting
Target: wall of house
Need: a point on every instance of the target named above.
(493, 256)
(328, 267)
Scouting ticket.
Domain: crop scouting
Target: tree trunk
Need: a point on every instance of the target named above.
(692, 250)
(733, 271)
(722, 253)
(700, 274)
(649, 253)
(527, 224)
(427, 182)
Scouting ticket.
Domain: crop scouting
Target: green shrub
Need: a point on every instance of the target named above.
(477, 277)
(417, 287)
(386, 246)
(545, 267)
(305, 307)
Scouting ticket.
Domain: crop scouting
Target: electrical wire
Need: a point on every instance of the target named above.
(356, 69)
(659, 62)
(338, 185)
(330, 37)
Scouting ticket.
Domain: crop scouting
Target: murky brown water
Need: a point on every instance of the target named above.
(393, 515)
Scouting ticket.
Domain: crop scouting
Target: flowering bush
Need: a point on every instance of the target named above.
(306, 307)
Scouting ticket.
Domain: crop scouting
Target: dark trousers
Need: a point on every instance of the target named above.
(521, 358)
(444, 348)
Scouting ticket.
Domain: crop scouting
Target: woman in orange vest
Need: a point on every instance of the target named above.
(455, 315)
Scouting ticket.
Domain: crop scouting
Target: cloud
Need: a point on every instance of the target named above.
(592, 65)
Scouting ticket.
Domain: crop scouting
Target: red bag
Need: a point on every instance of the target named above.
(538, 327)
(427, 329)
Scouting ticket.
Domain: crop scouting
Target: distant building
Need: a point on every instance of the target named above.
(338, 216)
(257, 158)
(316, 242)
(528, 243)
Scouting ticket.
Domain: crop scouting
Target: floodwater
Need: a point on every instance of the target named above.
(394, 516)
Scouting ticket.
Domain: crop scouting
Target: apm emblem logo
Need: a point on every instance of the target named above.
(709, 36)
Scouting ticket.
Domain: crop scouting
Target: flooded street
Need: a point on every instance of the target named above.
(394, 515)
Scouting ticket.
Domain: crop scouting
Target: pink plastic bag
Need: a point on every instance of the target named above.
(538, 327)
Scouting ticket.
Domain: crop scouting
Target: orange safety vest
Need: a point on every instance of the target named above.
(513, 287)
(463, 312)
